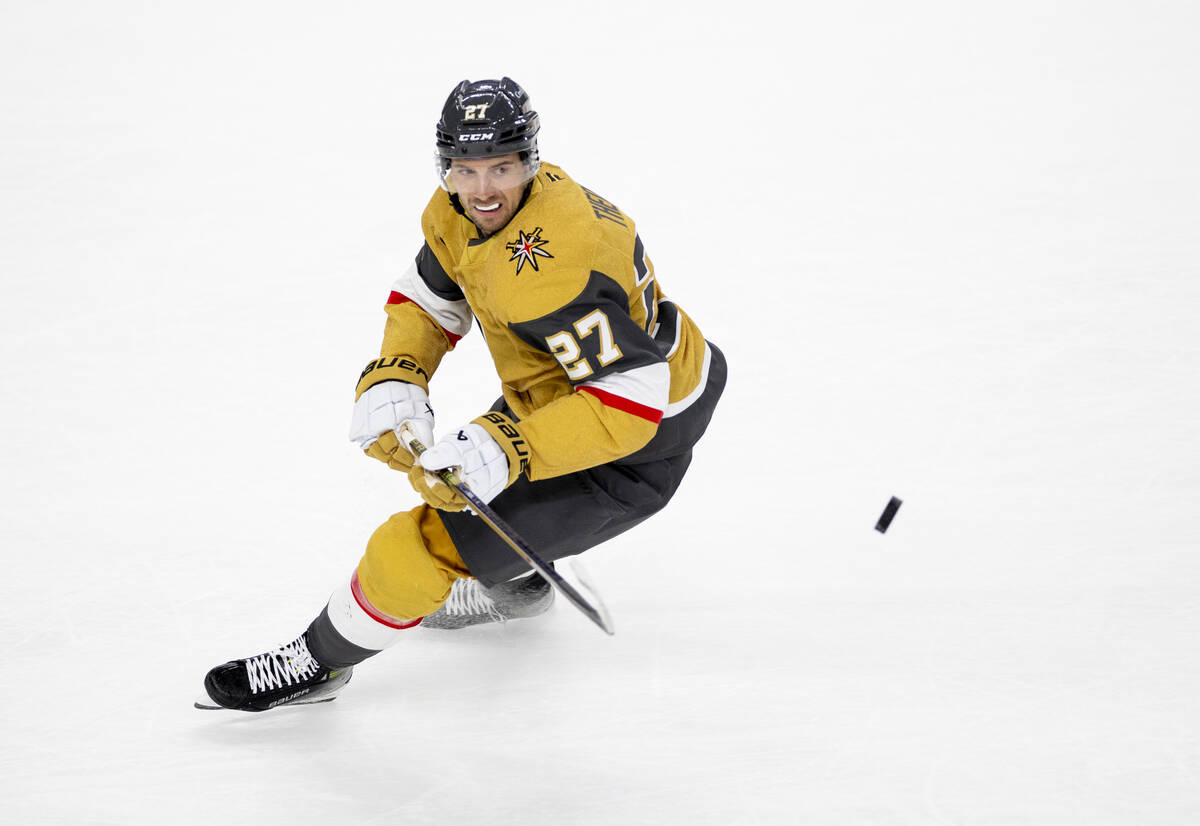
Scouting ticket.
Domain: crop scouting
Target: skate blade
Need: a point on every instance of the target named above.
(209, 705)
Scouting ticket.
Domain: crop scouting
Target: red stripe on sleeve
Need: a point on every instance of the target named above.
(401, 298)
(627, 405)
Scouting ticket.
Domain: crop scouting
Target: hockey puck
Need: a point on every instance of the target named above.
(889, 513)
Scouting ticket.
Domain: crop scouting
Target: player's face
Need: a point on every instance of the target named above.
(489, 189)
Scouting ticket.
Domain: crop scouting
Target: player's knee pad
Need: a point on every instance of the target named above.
(409, 565)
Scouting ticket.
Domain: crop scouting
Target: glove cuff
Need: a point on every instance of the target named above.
(508, 435)
(392, 368)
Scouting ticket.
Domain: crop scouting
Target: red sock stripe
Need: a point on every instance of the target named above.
(628, 405)
(373, 612)
(401, 298)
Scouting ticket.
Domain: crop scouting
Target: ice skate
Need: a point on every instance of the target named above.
(470, 603)
(287, 675)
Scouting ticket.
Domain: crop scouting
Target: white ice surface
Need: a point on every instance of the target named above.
(952, 251)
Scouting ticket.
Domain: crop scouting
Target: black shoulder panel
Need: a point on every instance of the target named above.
(435, 277)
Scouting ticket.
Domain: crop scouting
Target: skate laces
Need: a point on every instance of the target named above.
(467, 597)
(286, 665)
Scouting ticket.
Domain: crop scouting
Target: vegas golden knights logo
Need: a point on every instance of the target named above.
(527, 249)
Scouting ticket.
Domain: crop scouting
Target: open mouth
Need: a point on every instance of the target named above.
(486, 209)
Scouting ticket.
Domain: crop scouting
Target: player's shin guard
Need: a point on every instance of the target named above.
(351, 629)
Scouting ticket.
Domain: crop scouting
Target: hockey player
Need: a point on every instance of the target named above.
(607, 385)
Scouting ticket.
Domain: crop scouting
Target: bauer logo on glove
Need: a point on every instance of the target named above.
(394, 368)
(500, 425)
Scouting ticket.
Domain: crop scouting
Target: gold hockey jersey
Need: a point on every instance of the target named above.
(595, 362)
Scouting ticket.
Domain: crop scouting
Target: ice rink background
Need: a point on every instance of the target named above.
(951, 251)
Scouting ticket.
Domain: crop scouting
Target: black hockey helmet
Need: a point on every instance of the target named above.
(487, 117)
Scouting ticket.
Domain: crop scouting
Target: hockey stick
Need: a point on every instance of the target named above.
(597, 613)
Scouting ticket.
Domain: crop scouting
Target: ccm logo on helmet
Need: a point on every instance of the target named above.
(478, 136)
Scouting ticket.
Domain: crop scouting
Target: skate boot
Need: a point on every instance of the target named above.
(472, 604)
(288, 675)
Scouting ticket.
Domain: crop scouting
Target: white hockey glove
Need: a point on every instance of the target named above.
(487, 455)
(379, 413)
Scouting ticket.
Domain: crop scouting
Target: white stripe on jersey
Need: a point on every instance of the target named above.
(453, 316)
(649, 385)
(675, 408)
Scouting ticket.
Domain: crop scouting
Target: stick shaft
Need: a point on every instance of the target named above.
(597, 614)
